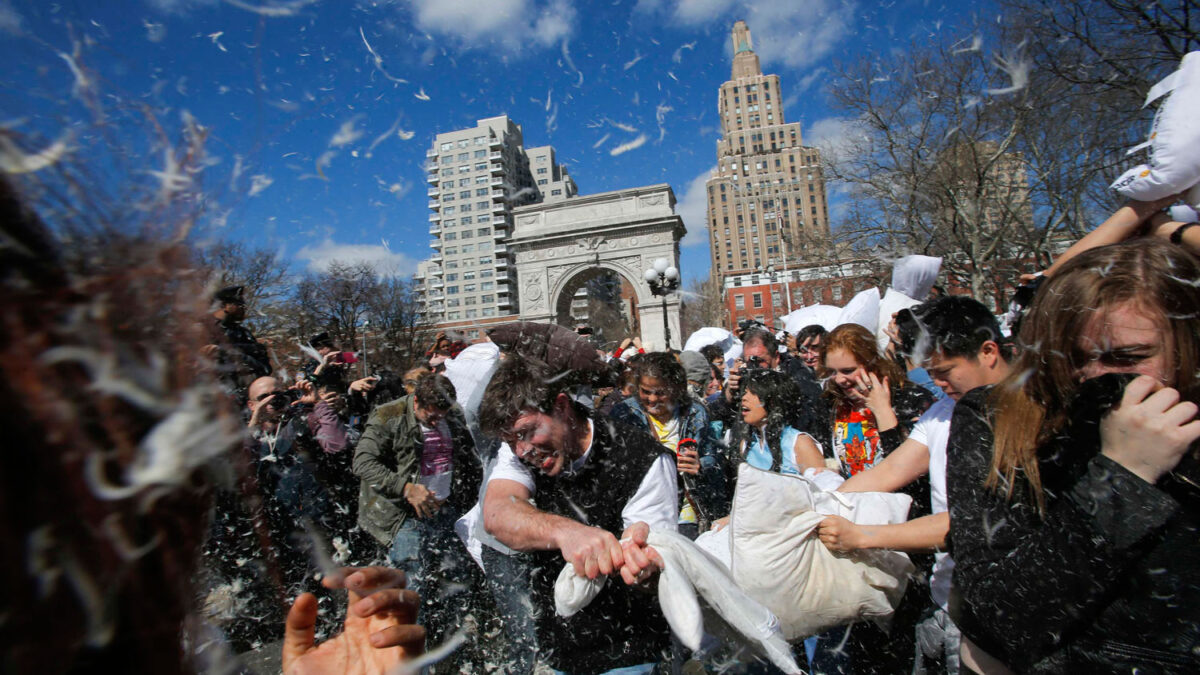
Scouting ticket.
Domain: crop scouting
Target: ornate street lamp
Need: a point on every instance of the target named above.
(663, 280)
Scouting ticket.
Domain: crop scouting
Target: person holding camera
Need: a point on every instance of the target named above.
(760, 350)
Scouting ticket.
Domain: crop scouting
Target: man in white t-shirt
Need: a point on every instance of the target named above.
(964, 353)
(599, 487)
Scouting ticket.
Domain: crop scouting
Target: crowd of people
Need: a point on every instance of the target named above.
(1053, 476)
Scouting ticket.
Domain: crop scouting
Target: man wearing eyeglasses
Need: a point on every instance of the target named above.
(600, 486)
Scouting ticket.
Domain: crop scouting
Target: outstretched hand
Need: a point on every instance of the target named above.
(379, 632)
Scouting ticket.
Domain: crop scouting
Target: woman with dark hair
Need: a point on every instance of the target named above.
(1073, 484)
(662, 406)
(873, 404)
(763, 437)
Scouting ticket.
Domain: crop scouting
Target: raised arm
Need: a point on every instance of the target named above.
(1124, 223)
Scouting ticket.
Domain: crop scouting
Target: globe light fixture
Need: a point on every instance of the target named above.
(663, 278)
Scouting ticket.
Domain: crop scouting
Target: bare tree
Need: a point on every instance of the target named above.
(265, 275)
(702, 306)
(396, 326)
(995, 146)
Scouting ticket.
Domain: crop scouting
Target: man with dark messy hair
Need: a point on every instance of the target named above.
(600, 485)
(420, 473)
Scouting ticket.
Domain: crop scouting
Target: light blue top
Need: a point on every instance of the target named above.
(759, 457)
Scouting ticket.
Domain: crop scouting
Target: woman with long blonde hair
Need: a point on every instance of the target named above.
(1073, 484)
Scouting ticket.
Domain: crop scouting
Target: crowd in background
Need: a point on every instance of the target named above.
(1052, 474)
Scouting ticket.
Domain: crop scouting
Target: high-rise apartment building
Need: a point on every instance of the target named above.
(476, 176)
(766, 198)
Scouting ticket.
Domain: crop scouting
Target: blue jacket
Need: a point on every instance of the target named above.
(709, 493)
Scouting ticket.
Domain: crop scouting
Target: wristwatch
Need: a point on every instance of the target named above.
(1177, 236)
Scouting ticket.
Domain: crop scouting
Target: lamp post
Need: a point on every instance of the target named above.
(366, 325)
(663, 280)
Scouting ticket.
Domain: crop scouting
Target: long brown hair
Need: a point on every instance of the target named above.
(859, 343)
(1031, 403)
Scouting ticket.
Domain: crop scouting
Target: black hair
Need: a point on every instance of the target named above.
(665, 367)
(520, 383)
(766, 337)
(809, 332)
(956, 325)
(778, 392)
(710, 352)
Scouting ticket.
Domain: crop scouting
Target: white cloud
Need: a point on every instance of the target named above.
(835, 136)
(692, 206)
(386, 261)
(796, 34)
(512, 25)
(10, 19)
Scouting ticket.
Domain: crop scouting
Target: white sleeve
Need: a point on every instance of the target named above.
(509, 467)
(656, 501)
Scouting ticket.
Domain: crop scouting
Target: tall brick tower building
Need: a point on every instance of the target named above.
(766, 199)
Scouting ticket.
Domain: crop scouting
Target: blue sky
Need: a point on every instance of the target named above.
(319, 113)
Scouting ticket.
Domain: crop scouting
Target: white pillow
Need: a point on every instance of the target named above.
(779, 561)
(914, 275)
(863, 309)
(1174, 163)
(821, 315)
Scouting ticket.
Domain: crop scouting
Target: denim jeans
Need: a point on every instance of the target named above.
(438, 568)
(938, 640)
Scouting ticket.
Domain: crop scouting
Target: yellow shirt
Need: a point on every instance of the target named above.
(668, 436)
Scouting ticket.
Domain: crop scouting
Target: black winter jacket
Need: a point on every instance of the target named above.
(1105, 582)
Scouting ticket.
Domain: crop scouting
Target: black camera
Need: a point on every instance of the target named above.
(283, 399)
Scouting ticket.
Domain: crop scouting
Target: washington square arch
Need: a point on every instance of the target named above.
(559, 246)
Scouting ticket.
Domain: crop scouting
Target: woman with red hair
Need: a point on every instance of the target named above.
(873, 404)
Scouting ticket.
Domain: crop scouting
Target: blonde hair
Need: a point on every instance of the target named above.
(1031, 403)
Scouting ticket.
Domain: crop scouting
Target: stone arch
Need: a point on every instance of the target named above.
(574, 279)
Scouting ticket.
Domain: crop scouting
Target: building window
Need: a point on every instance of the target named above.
(480, 140)
(485, 299)
(472, 313)
(451, 250)
(485, 260)
(454, 315)
(542, 181)
(481, 167)
(450, 236)
(466, 220)
(452, 290)
(469, 288)
(449, 211)
(481, 192)
(464, 143)
(837, 293)
(467, 234)
(447, 146)
(480, 154)
(556, 192)
(541, 170)
(489, 311)
(739, 301)
(471, 301)
(464, 156)
(757, 300)
(487, 285)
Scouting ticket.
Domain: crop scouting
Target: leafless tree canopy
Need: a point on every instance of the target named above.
(992, 143)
